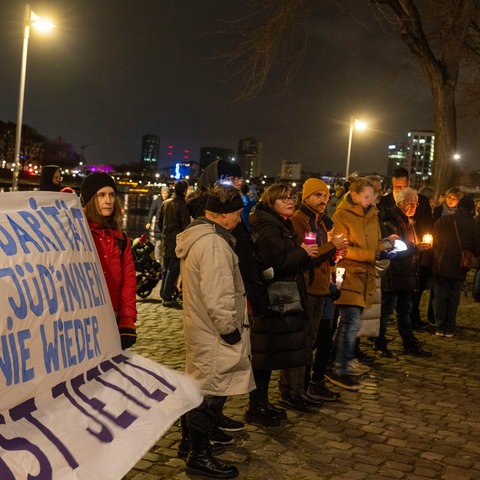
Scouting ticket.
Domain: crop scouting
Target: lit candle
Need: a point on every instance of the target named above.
(427, 238)
(310, 238)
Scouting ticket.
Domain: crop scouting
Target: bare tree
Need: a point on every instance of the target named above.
(442, 35)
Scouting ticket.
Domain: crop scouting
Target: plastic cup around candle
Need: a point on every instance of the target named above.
(310, 238)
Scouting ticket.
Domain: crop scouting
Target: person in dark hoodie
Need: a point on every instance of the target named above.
(50, 179)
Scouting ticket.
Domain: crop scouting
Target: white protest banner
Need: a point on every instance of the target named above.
(73, 405)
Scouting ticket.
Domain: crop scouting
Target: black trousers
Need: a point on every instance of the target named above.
(203, 419)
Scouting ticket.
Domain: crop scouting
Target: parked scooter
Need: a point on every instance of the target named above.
(149, 271)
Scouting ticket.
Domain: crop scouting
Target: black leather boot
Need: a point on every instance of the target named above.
(200, 461)
(258, 412)
(184, 445)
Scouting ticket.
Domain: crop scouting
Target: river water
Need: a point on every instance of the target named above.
(136, 208)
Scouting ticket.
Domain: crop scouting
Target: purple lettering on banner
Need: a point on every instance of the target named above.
(124, 420)
(16, 444)
(105, 435)
(126, 361)
(123, 392)
(24, 411)
(157, 394)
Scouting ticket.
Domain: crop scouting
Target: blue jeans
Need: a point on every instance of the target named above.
(401, 303)
(346, 336)
(171, 272)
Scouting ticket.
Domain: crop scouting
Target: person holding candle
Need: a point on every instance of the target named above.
(401, 278)
(356, 218)
(311, 223)
(423, 224)
(279, 339)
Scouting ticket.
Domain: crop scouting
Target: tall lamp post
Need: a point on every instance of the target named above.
(30, 19)
(357, 125)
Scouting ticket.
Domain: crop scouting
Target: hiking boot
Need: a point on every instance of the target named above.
(228, 424)
(319, 391)
(343, 381)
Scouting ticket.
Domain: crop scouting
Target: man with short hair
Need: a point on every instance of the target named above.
(215, 324)
(310, 217)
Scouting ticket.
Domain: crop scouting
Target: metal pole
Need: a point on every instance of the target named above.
(350, 136)
(21, 94)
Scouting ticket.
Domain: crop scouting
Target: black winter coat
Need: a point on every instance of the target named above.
(446, 249)
(173, 219)
(278, 341)
(403, 273)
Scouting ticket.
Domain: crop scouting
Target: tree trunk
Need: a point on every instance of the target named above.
(445, 170)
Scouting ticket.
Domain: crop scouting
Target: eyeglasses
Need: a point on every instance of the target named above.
(286, 198)
(105, 195)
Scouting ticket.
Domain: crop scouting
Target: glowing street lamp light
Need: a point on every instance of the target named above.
(357, 125)
(31, 19)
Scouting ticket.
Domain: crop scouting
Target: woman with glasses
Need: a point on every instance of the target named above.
(278, 340)
(102, 208)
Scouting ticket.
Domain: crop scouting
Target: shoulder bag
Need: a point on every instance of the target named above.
(284, 297)
(466, 259)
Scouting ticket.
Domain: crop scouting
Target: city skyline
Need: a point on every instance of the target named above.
(109, 75)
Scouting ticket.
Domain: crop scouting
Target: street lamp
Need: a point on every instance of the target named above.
(357, 125)
(31, 19)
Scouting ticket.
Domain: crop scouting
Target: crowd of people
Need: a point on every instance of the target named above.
(288, 288)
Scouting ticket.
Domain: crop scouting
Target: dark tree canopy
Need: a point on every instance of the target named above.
(442, 36)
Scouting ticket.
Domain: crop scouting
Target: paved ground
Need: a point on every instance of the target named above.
(413, 418)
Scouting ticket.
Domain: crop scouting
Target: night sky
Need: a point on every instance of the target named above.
(113, 71)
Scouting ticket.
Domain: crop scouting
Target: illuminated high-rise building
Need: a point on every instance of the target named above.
(419, 160)
(250, 156)
(150, 152)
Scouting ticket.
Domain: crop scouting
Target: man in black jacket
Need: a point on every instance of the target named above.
(401, 278)
(173, 219)
(423, 224)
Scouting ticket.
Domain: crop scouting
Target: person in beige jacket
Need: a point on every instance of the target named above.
(356, 218)
(215, 323)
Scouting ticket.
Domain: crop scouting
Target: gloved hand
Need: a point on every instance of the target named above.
(128, 337)
(232, 338)
(385, 255)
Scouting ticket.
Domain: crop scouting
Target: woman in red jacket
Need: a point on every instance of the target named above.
(102, 208)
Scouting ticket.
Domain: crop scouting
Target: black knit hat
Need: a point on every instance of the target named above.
(93, 183)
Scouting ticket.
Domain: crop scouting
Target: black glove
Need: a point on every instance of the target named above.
(232, 338)
(128, 337)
